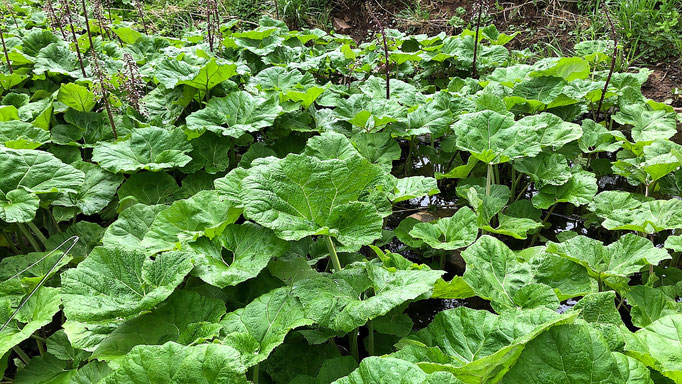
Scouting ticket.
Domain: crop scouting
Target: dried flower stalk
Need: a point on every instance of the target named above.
(55, 21)
(614, 36)
(140, 13)
(69, 19)
(474, 71)
(212, 23)
(102, 88)
(133, 85)
(4, 48)
(382, 30)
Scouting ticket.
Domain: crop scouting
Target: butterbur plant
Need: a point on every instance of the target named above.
(133, 85)
(102, 88)
(297, 216)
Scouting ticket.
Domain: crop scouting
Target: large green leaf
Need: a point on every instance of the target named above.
(477, 346)
(387, 370)
(234, 115)
(262, 325)
(250, 248)
(494, 273)
(647, 125)
(26, 173)
(626, 211)
(77, 97)
(149, 148)
(649, 304)
(119, 283)
(566, 354)
(545, 168)
(337, 301)
(204, 214)
(37, 313)
(173, 363)
(21, 135)
(131, 226)
(494, 138)
(578, 190)
(300, 196)
(658, 346)
(186, 318)
(97, 190)
(449, 233)
(621, 259)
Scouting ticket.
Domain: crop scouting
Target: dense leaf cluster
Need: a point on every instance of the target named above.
(248, 221)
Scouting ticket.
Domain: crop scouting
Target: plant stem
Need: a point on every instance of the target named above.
(523, 190)
(109, 115)
(255, 377)
(22, 355)
(87, 24)
(4, 48)
(613, 59)
(208, 33)
(73, 34)
(382, 30)
(11, 245)
(38, 234)
(370, 338)
(353, 340)
(332, 253)
(41, 347)
(488, 179)
(474, 72)
(29, 237)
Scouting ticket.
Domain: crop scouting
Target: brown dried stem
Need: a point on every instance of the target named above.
(103, 90)
(382, 30)
(613, 58)
(67, 8)
(4, 48)
(474, 72)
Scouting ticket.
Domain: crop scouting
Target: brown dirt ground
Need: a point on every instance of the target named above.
(540, 22)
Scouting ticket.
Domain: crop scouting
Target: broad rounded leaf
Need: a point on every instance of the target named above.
(173, 363)
(149, 148)
(118, 283)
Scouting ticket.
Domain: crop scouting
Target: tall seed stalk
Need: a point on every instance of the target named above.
(133, 85)
(54, 20)
(4, 48)
(87, 24)
(140, 14)
(10, 9)
(69, 18)
(613, 58)
(212, 23)
(102, 90)
(382, 30)
(474, 71)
